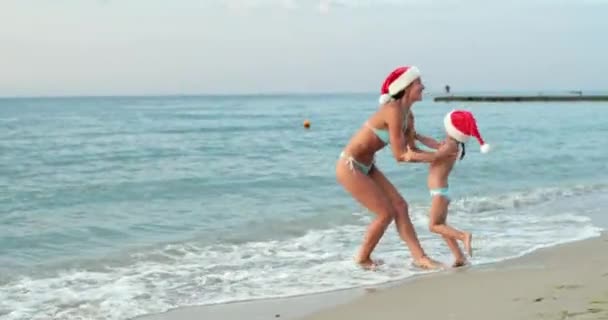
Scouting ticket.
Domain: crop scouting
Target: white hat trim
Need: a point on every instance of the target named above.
(452, 131)
(404, 80)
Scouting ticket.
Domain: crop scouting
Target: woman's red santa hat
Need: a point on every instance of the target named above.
(396, 81)
(461, 125)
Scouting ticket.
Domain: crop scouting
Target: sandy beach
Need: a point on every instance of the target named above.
(565, 282)
(569, 281)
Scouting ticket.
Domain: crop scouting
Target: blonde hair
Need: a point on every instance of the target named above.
(410, 132)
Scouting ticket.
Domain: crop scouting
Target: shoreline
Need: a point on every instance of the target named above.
(346, 303)
(560, 282)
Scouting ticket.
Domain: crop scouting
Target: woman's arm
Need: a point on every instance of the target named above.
(399, 142)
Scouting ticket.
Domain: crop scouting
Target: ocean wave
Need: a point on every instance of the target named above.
(194, 273)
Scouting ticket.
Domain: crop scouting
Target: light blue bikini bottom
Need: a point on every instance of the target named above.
(352, 163)
(444, 192)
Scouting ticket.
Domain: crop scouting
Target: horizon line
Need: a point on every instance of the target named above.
(285, 93)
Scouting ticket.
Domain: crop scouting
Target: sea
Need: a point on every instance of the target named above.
(117, 207)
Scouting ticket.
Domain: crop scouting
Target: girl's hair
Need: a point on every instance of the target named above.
(463, 151)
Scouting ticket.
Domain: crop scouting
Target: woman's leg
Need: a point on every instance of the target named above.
(402, 220)
(366, 192)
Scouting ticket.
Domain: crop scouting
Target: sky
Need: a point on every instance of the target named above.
(157, 47)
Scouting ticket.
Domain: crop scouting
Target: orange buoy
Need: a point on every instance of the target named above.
(306, 124)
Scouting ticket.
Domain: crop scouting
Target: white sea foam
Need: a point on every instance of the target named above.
(183, 274)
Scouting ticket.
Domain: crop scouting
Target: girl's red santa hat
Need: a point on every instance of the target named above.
(461, 125)
(396, 81)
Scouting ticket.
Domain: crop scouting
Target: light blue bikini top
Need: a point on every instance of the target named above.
(383, 134)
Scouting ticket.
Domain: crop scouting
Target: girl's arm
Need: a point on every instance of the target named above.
(402, 145)
(428, 141)
(416, 155)
(412, 136)
(445, 150)
(425, 140)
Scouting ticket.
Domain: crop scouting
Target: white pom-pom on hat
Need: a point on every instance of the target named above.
(485, 148)
(384, 98)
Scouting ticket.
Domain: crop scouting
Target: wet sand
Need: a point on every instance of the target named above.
(569, 281)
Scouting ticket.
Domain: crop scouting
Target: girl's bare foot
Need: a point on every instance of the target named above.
(468, 237)
(460, 262)
(369, 264)
(426, 263)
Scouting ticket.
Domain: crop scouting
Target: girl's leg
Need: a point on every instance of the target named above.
(402, 220)
(366, 192)
(459, 258)
(437, 224)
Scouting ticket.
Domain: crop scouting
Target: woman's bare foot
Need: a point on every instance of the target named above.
(468, 237)
(426, 263)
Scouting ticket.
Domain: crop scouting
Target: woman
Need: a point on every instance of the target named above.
(392, 124)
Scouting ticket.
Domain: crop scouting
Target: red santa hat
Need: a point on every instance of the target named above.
(461, 125)
(396, 81)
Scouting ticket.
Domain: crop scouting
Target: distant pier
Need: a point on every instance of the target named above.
(520, 98)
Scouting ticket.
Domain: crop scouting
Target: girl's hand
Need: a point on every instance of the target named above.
(409, 156)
